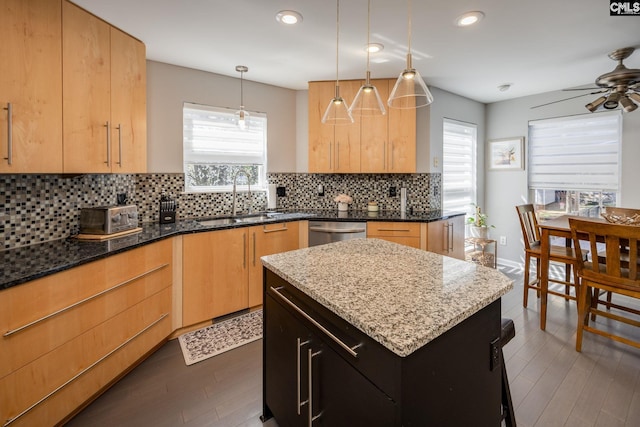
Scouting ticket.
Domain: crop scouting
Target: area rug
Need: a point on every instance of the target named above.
(220, 337)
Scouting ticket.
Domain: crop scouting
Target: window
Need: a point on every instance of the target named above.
(458, 166)
(215, 149)
(574, 163)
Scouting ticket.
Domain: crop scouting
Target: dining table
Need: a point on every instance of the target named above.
(555, 227)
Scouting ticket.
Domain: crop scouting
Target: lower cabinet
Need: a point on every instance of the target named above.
(446, 237)
(308, 383)
(222, 271)
(404, 233)
(69, 335)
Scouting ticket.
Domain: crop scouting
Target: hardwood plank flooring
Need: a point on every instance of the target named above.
(551, 383)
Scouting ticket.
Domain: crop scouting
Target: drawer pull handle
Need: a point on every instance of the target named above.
(394, 229)
(298, 402)
(283, 228)
(85, 370)
(350, 350)
(9, 157)
(310, 357)
(62, 310)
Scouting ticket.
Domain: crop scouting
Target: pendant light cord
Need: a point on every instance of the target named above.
(409, 25)
(241, 90)
(368, 36)
(337, 41)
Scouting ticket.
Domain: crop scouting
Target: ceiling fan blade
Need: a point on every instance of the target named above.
(566, 99)
(583, 88)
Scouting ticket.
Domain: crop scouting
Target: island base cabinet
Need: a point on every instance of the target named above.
(451, 381)
(308, 383)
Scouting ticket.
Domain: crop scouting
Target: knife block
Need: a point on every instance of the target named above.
(167, 210)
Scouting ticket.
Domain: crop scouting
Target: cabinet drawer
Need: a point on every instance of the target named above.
(393, 229)
(39, 316)
(75, 371)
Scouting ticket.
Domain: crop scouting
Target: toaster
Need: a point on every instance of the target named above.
(108, 219)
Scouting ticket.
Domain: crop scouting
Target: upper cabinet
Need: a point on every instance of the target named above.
(30, 86)
(104, 96)
(379, 144)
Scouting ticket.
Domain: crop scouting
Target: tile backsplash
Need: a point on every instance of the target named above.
(39, 208)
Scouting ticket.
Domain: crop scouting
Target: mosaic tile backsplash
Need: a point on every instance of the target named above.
(40, 208)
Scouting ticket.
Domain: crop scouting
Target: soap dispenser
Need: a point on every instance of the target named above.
(403, 201)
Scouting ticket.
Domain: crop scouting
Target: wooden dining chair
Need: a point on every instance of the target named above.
(561, 254)
(617, 272)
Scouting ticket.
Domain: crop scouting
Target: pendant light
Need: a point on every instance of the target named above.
(337, 113)
(367, 101)
(410, 91)
(242, 116)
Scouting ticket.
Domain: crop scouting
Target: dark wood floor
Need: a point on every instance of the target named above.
(551, 383)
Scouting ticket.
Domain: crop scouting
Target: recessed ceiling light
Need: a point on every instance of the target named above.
(288, 17)
(374, 47)
(469, 18)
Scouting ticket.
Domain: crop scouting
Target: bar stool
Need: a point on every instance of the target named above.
(507, 332)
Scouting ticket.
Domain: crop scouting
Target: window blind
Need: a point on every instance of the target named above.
(576, 153)
(458, 166)
(211, 136)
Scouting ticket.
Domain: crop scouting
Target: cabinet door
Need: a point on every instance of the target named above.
(321, 136)
(402, 139)
(128, 104)
(86, 86)
(31, 83)
(267, 240)
(446, 237)
(347, 137)
(374, 138)
(197, 278)
(231, 271)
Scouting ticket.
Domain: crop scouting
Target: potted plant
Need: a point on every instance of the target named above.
(478, 226)
(343, 201)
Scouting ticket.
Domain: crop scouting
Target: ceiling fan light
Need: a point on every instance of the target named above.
(627, 104)
(593, 106)
(612, 101)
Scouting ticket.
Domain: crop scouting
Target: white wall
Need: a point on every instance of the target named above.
(506, 189)
(169, 86)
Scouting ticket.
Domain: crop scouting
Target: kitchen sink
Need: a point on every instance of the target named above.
(254, 218)
(218, 221)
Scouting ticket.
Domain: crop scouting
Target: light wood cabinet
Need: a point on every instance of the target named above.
(30, 86)
(332, 148)
(222, 271)
(268, 239)
(69, 335)
(215, 274)
(384, 144)
(104, 96)
(446, 237)
(404, 233)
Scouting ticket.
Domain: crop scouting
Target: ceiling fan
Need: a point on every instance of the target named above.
(619, 87)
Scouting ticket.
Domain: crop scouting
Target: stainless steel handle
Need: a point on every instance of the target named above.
(119, 144)
(384, 155)
(310, 357)
(244, 250)
(299, 403)
(445, 237)
(394, 229)
(337, 155)
(108, 126)
(450, 237)
(283, 228)
(69, 307)
(85, 370)
(254, 248)
(337, 230)
(330, 157)
(391, 154)
(9, 157)
(350, 350)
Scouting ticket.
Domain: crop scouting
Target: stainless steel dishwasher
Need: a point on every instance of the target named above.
(321, 232)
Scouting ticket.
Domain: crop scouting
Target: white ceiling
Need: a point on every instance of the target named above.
(535, 45)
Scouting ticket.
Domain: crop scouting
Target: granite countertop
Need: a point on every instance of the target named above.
(27, 263)
(400, 296)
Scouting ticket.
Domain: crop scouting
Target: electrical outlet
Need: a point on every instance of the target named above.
(436, 162)
(503, 240)
(392, 191)
(281, 192)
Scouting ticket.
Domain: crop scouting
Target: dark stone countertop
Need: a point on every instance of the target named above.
(27, 263)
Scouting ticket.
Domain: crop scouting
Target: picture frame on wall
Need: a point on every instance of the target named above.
(506, 154)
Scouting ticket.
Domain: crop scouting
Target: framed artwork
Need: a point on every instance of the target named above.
(506, 154)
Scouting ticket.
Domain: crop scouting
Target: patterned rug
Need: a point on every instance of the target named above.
(220, 337)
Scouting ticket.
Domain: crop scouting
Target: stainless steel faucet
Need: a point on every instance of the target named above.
(235, 179)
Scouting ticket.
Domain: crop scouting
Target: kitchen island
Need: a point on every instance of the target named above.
(369, 332)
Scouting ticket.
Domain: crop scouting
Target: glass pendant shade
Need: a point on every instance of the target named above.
(410, 91)
(337, 112)
(367, 101)
(242, 118)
